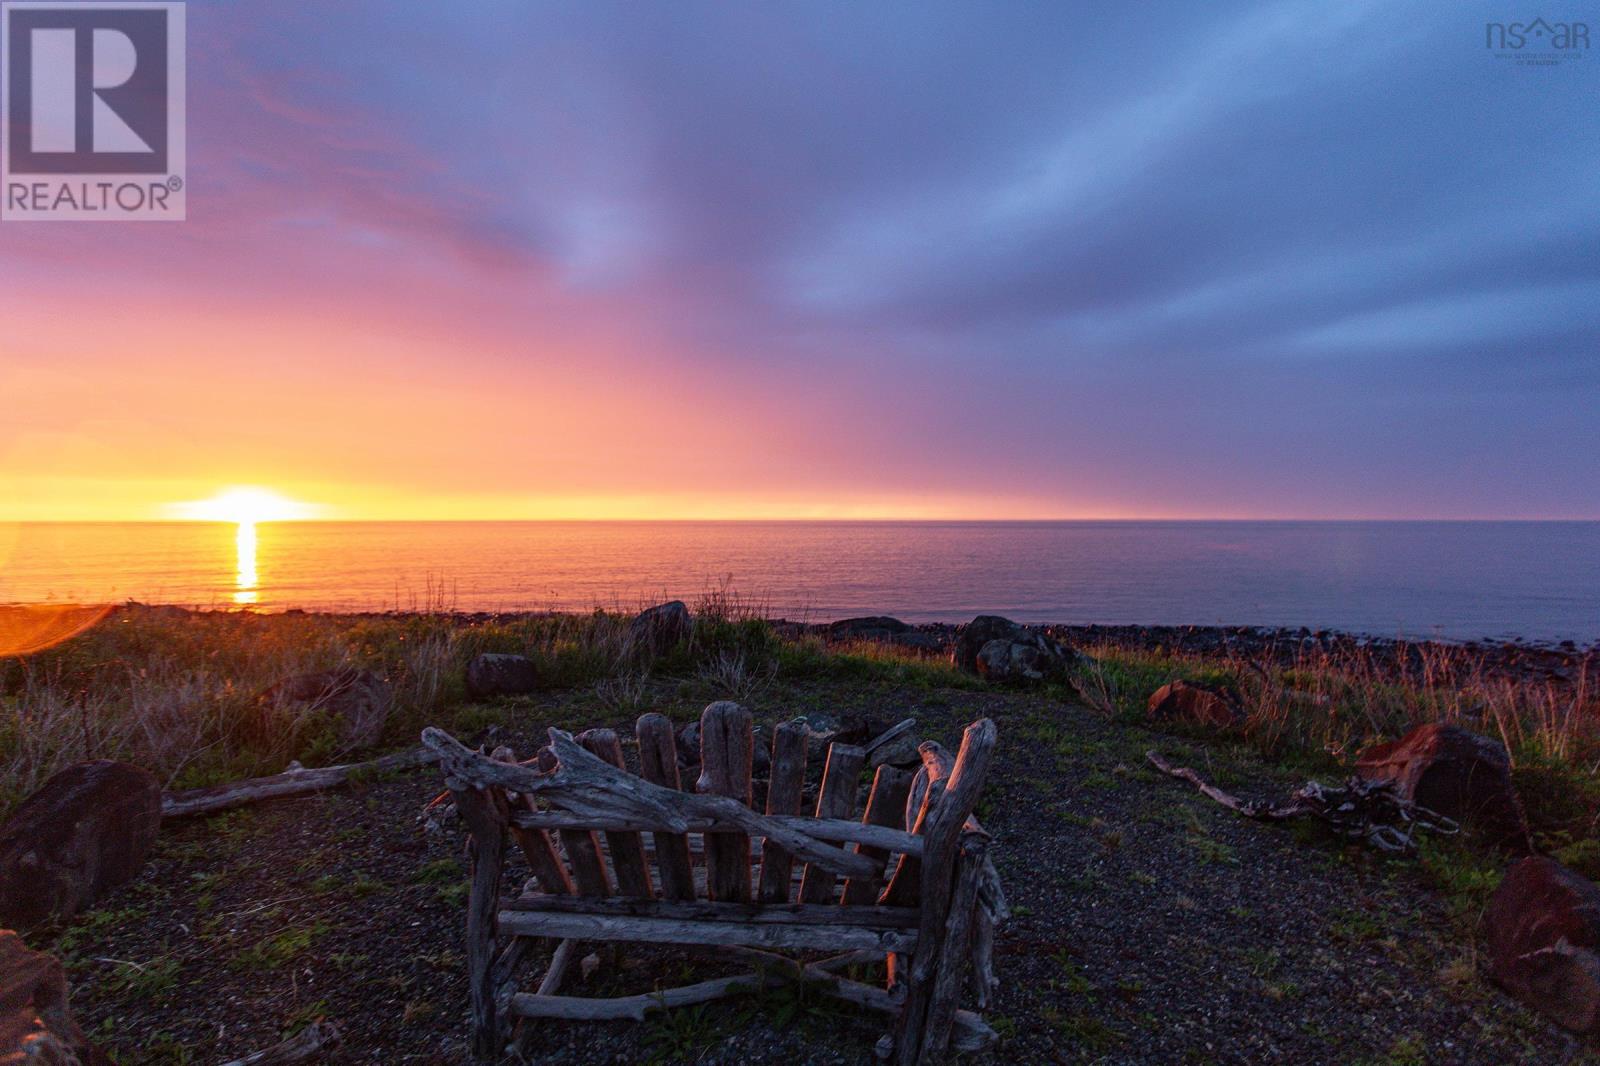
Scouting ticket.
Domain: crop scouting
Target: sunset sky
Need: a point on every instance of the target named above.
(512, 260)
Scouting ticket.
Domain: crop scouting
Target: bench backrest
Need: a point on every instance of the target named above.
(654, 835)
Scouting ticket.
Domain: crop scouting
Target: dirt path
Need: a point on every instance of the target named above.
(1151, 925)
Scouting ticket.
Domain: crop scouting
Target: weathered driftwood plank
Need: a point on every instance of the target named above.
(726, 752)
(804, 935)
(535, 844)
(582, 844)
(971, 1033)
(954, 953)
(984, 983)
(633, 1008)
(944, 826)
(488, 843)
(709, 911)
(312, 1042)
(560, 959)
(783, 799)
(592, 788)
(627, 848)
(894, 732)
(503, 974)
(885, 807)
(836, 799)
(887, 837)
(905, 887)
(938, 763)
(658, 761)
(292, 782)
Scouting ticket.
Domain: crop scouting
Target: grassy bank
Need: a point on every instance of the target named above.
(181, 692)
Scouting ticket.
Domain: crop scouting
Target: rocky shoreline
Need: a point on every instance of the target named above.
(1562, 663)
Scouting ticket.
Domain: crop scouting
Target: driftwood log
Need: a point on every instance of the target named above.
(1370, 811)
(292, 782)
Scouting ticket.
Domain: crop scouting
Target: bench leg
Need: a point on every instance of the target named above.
(488, 844)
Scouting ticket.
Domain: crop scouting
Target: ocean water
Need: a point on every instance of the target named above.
(1459, 580)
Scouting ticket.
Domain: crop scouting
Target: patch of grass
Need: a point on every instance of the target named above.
(1582, 857)
(1213, 852)
(1085, 1030)
(280, 949)
(358, 887)
(1354, 926)
(1406, 1051)
(304, 1017)
(438, 872)
(143, 980)
(1465, 876)
(455, 895)
(680, 1035)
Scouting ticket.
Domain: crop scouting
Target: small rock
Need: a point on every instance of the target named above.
(689, 744)
(1456, 773)
(1543, 928)
(898, 751)
(1009, 660)
(491, 674)
(358, 699)
(657, 629)
(1218, 706)
(85, 831)
(36, 1025)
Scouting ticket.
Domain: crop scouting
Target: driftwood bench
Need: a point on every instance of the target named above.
(616, 856)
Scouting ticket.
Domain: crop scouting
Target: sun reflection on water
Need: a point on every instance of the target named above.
(246, 579)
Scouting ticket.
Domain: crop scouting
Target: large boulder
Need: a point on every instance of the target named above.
(998, 649)
(657, 629)
(358, 700)
(978, 632)
(1456, 773)
(85, 831)
(1543, 928)
(493, 674)
(1216, 706)
(36, 1025)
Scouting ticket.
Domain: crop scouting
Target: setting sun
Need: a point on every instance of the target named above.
(245, 506)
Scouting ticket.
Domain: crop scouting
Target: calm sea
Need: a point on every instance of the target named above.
(1539, 580)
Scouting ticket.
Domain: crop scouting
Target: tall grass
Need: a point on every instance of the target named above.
(1334, 702)
(183, 692)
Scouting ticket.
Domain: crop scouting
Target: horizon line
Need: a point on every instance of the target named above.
(810, 519)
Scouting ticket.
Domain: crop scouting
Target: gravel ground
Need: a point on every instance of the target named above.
(1151, 926)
